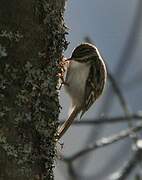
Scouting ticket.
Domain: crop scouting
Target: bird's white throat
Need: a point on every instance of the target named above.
(76, 77)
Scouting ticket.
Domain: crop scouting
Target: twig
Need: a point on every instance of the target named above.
(107, 120)
(123, 103)
(119, 94)
(133, 82)
(106, 141)
(128, 167)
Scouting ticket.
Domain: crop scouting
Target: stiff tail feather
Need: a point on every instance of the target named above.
(68, 122)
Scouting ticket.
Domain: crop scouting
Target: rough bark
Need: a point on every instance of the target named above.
(32, 38)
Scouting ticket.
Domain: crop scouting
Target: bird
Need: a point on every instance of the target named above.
(85, 79)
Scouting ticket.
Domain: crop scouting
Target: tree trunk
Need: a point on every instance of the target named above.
(32, 38)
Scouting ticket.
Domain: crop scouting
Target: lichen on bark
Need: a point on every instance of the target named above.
(32, 39)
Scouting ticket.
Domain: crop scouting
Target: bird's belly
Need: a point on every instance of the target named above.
(76, 80)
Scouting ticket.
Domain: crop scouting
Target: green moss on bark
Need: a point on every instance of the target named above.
(32, 38)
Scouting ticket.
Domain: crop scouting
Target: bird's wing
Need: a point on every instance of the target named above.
(94, 84)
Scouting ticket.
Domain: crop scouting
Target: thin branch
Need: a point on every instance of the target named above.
(106, 141)
(128, 167)
(119, 94)
(107, 120)
(123, 103)
(134, 82)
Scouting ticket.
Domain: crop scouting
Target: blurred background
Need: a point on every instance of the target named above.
(115, 27)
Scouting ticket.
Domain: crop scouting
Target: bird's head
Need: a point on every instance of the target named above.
(84, 53)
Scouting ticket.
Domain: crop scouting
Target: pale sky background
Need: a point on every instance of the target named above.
(108, 24)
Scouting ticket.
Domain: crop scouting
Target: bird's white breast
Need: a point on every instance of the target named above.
(77, 74)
